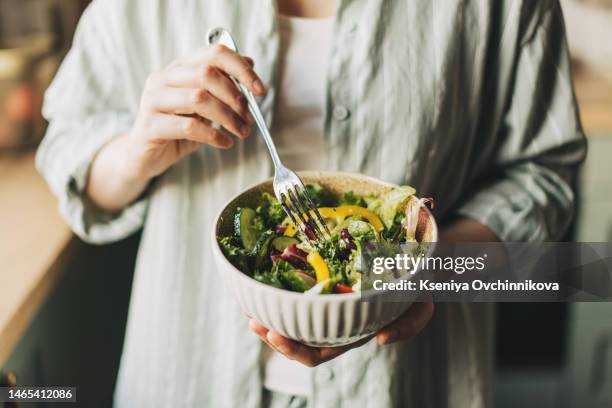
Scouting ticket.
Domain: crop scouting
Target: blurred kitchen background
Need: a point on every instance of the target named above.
(63, 303)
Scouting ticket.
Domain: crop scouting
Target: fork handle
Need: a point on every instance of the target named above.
(222, 36)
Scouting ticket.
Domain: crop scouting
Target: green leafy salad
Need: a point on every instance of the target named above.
(267, 245)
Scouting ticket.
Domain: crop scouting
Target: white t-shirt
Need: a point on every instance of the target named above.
(300, 106)
(298, 133)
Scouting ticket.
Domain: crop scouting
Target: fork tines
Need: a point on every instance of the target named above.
(304, 213)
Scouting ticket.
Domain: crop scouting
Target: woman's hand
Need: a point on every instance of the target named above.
(181, 108)
(406, 326)
(180, 104)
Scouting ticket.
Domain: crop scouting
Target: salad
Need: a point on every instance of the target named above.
(267, 245)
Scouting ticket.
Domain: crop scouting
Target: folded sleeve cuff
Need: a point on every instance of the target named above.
(65, 157)
(509, 211)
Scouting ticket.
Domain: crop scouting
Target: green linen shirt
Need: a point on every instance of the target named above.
(471, 102)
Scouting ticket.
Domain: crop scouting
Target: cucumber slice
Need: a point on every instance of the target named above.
(297, 280)
(262, 250)
(280, 243)
(245, 229)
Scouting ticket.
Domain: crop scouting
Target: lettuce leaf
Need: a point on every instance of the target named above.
(270, 210)
(351, 199)
(238, 256)
(391, 203)
(315, 191)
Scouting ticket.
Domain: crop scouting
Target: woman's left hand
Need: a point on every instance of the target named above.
(406, 326)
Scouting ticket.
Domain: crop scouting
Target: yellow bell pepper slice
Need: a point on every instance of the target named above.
(344, 211)
(315, 260)
(290, 231)
(338, 214)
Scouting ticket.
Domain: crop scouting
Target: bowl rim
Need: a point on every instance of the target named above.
(336, 297)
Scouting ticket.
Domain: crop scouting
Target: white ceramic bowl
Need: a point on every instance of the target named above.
(317, 320)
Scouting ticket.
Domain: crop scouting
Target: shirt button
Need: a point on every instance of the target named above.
(341, 112)
(324, 374)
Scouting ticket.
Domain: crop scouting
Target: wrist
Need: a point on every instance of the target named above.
(114, 179)
(130, 164)
(463, 229)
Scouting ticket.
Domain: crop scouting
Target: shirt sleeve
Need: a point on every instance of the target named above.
(86, 107)
(528, 195)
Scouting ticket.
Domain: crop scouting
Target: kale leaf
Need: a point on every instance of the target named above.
(272, 277)
(269, 278)
(315, 191)
(281, 266)
(351, 199)
(238, 256)
(270, 210)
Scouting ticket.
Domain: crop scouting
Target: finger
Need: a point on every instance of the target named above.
(188, 128)
(328, 353)
(261, 331)
(258, 328)
(408, 325)
(230, 63)
(199, 56)
(188, 61)
(212, 80)
(309, 356)
(186, 101)
(249, 60)
(186, 147)
(294, 350)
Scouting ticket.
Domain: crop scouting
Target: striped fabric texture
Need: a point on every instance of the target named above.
(471, 102)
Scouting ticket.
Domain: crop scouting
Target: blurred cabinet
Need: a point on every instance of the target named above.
(77, 337)
(34, 35)
(24, 17)
(594, 222)
(589, 369)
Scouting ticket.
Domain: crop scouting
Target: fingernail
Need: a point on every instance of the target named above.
(391, 337)
(258, 86)
(252, 324)
(250, 119)
(245, 130)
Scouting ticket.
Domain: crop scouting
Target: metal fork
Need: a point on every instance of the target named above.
(288, 187)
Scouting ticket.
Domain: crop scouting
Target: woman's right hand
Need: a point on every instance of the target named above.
(179, 105)
(181, 108)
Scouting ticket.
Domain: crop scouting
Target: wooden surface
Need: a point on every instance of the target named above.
(594, 94)
(32, 237)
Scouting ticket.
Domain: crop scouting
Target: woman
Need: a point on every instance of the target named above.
(470, 102)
